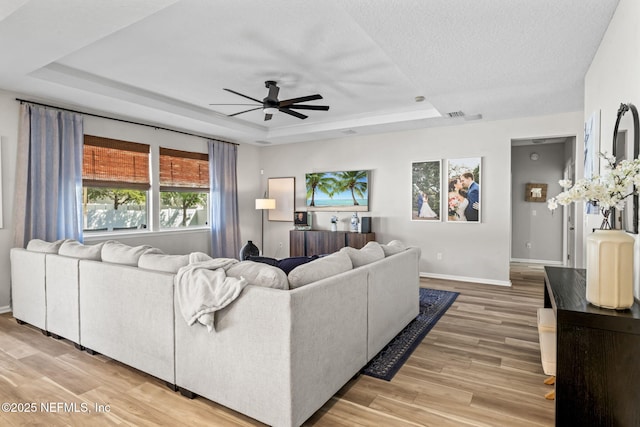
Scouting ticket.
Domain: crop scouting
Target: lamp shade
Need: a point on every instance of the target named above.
(265, 203)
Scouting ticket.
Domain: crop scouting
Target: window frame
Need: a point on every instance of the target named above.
(140, 176)
(179, 183)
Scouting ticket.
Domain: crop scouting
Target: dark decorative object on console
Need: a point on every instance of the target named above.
(249, 250)
(365, 224)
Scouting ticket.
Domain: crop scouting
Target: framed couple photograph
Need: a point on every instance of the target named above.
(426, 190)
(463, 190)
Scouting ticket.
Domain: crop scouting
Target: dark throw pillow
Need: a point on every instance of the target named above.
(288, 264)
(285, 264)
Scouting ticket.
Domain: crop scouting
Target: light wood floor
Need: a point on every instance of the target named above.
(479, 366)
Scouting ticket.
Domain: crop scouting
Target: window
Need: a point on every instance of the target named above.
(115, 180)
(184, 189)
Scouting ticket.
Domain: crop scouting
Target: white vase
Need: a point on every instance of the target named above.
(334, 226)
(610, 269)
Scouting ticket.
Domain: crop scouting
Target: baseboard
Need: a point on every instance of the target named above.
(5, 309)
(537, 261)
(466, 279)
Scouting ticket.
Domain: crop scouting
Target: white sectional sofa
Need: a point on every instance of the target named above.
(276, 355)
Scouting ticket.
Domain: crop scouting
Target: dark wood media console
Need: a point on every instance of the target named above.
(598, 355)
(319, 242)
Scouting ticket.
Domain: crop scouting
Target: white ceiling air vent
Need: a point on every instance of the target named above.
(349, 132)
(454, 114)
(263, 142)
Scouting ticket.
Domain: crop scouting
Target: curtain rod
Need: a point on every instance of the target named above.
(122, 120)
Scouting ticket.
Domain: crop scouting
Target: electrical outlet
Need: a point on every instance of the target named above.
(439, 256)
(528, 245)
(280, 244)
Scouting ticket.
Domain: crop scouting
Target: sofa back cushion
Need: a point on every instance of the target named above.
(393, 247)
(319, 269)
(119, 253)
(371, 252)
(259, 274)
(75, 249)
(162, 262)
(37, 245)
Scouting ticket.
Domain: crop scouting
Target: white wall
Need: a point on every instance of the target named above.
(532, 222)
(474, 252)
(614, 78)
(171, 242)
(8, 137)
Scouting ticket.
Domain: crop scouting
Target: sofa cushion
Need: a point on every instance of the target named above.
(119, 253)
(163, 262)
(393, 247)
(319, 269)
(371, 252)
(37, 245)
(263, 259)
(75, 249)
(259, 274)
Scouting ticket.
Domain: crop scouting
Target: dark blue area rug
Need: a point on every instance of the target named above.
(433, 304)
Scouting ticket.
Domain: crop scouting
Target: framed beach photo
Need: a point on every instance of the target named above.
(338, 191)
(463, 190)
(426, 184)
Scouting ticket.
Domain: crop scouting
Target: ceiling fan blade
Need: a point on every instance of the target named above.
(288, 102)
(273, 90)
(267, 117)
(245, 111)
(293, 113)
(244, 96)
(309, 107)
(235, 104)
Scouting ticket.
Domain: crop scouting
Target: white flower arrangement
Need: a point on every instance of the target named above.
(608, 190)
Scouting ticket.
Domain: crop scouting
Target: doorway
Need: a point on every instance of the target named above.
(538, 235)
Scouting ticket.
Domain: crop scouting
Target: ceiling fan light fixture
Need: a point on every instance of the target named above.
(270, 110)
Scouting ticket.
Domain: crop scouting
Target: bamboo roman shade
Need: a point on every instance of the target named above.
(183, 170)
(115, 164)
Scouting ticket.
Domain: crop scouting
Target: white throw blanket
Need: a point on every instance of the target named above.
(204, 288)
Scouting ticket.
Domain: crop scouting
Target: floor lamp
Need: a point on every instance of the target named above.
(264, 204)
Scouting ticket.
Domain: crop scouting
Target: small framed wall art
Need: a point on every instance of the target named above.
(536, 193)
(283, 191)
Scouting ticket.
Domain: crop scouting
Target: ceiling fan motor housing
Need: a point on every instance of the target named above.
(271, 104)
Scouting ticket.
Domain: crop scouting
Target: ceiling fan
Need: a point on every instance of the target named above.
(271, 105)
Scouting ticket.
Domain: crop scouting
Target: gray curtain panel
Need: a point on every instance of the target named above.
(223, 204)
(48, 197)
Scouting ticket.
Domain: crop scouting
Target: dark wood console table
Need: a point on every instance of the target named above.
(598, 355)
(319, 242)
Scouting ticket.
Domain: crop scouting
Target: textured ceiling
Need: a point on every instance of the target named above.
(165, 61)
